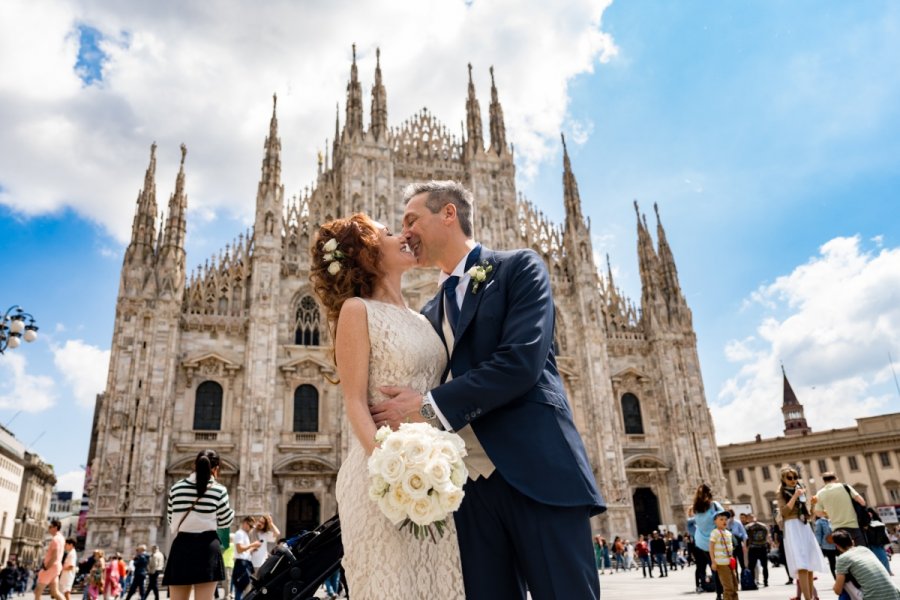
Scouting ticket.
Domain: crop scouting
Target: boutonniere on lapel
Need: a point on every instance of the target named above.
(480, 274)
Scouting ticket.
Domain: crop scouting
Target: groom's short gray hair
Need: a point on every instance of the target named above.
(441, 193)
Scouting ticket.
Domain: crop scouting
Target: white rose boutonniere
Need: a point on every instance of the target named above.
(480, 274)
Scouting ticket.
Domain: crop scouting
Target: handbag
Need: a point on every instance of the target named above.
(862, 514)
(224, 534)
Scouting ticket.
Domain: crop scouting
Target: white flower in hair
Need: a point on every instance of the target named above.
(334, 267)
(330, 246)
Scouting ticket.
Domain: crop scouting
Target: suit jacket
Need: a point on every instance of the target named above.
(507, 387)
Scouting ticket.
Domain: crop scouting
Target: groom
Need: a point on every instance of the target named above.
(525, 519)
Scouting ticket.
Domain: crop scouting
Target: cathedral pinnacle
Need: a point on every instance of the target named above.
(143, 229)
(271, 167)
(354, 121)
(474, 137)
(571, 196)
(176, 223)
(498, 127)
(379, 102)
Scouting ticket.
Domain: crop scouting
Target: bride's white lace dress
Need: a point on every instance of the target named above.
(381, 561)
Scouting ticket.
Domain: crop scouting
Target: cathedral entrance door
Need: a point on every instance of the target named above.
(646, 510)
(302, 514)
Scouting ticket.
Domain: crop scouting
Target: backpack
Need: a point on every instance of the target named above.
(747, 582)
(757, 535)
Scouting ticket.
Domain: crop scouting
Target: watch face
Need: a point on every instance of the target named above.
(427, 411)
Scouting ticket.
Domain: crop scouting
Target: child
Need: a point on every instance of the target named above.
(721, 549)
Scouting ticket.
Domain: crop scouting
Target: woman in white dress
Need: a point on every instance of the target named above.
(802, 551)
(356, 269)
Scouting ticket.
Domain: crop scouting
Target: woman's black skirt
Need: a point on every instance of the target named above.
(194, 558)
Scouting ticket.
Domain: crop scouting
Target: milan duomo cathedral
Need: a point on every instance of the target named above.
(236, 356)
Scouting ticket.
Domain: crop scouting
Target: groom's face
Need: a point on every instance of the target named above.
(423, 230)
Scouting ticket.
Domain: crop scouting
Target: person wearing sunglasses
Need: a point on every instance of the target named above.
(804, 557)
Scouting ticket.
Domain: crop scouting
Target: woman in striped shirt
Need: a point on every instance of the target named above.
(198, 505)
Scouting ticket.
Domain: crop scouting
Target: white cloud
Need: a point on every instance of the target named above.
(831, 322)
(84, 369)
(20, 390)
(191, 72)
(71, 481)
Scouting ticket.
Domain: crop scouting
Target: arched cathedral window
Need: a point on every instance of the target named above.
(306, 408)
(306, 331)
(631, 414)
(208, 406)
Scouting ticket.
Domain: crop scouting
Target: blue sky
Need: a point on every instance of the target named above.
(767, 132)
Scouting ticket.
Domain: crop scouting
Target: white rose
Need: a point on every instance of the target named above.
(451, 499)
(417, 449)
(382, 433)
(330, 245)
(392, 467)
(393, 443)
(398, 498)
(438, 471)
(426, 510)
(394, 513)
(459, 474)
(445, 450)
(378, 487)
(334, 267)
(415, 484)
(457, 442)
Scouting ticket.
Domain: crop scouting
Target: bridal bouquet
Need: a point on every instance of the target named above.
(417, 475)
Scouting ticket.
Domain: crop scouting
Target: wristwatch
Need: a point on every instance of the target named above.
(427, 410)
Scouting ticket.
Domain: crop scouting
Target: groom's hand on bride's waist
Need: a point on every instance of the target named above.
(402, 406)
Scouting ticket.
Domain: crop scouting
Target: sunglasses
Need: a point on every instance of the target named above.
(790, 478)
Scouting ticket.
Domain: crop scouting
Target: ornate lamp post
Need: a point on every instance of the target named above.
(13, 328)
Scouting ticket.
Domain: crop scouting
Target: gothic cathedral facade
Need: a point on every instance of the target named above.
(236, 355)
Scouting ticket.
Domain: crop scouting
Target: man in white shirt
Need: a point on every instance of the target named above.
(243, 568)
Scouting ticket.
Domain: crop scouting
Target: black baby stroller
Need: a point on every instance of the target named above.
(296, 569)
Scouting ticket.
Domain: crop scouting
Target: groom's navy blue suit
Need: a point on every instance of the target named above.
(530, 519)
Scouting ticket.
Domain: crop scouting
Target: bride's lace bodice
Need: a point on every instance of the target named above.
(380, 561)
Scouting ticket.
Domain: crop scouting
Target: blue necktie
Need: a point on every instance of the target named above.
(450, 300)
(453, 310)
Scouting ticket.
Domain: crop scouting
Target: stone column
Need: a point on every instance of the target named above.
(874, 479)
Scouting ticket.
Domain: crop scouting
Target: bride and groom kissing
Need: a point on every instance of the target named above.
(478, 360)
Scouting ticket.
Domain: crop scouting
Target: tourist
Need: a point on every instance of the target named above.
(877, 538)
(618, 550)
(658, 552)
(228, 561)
(823, 536)
(69, 567)
(860, 563)
(139, 565)
(266, 532)
(721, 554)
(704, 511)
(198, 505)
(154, 570)
(802, 552)
(243, 567)
(835, 500)
(112, 578)
(739, 537)
(52, 564)
(8, 577)
(643, 553)
(757, 548)
(96, 577)
(629, 556)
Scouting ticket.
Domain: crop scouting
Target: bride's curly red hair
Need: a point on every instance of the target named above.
(358, 242)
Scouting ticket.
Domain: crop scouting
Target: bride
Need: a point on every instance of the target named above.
(356, 269)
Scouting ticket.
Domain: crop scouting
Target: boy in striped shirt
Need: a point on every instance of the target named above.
(721, 550)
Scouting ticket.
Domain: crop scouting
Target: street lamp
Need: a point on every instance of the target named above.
(13, 328)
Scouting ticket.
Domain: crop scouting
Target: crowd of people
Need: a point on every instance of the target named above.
(818, 534)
